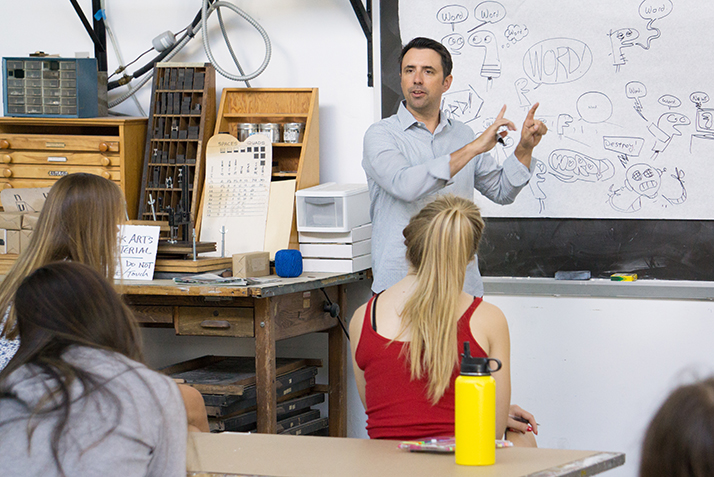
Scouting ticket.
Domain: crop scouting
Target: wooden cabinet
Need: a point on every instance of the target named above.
(35, 152)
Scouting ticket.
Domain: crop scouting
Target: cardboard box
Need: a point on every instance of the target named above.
(11, 220)
(336, 250)
(357, 234)
(332, 207)
(251, 264)
(337, 265)
(25, 236)
(29, 220)
(9, 241)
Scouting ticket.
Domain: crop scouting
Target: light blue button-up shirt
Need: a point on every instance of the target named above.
(406, 165)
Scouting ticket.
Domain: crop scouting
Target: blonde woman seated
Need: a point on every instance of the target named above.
(406, 340)
(80, 223)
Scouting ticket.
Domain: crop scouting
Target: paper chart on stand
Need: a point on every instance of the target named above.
(237, 190)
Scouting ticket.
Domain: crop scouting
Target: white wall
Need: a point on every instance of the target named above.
(592, 370)
(314, 44)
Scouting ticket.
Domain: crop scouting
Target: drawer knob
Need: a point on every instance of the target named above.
(106, 161)
(4, 144)
(6, 158)
(7, 186)
(103, 146)
(215, 324)
(107, 175)
(7, 173)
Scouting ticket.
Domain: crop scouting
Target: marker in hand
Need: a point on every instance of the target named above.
(499, 138)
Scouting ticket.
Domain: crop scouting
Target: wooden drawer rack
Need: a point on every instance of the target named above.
(35, 152)
(183, 110)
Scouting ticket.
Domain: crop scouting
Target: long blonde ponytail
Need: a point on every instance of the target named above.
(441, 240)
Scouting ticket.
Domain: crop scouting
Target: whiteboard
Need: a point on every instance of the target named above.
(623, 85)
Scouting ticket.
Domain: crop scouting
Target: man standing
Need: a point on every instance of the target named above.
(417, 153)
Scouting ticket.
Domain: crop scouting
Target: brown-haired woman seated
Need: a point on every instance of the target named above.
(80, 223)
(679, 441)
(406, 340)
(75, 399)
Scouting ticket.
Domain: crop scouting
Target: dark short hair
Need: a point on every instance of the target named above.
(680, 437)
(421, 43)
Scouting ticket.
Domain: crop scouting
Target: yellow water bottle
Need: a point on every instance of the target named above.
(475, 419)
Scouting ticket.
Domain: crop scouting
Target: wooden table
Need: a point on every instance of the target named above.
(288, 456)
(268, 313)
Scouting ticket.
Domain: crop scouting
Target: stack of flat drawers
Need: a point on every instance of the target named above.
(35, 152)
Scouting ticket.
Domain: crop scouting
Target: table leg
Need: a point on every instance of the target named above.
(265, 366)
(337, 374)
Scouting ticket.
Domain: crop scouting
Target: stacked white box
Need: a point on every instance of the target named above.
(344, 252)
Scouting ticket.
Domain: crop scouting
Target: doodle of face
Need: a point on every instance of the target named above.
(669, 122)
(626, 36)
(644, 179)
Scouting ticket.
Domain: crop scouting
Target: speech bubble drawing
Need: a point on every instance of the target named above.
(452, 14)
(632, 146)
(571, 166)
(699, 97)
(655, 9)
(490, 12)
(454, 42)
(594, 107)
(635, 90)
(515, 33)
(670, 101)
(557, 61)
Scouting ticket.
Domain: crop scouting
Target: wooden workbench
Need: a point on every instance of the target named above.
(292, 456)
(268, 313)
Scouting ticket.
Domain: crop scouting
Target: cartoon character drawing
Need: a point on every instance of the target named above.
(491, 66)
(619, 39)
(521, 86)
(670, 189)
(665, 130)
(644, 181)
(534, 184)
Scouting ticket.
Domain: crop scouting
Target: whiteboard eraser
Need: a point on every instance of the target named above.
(574, 275)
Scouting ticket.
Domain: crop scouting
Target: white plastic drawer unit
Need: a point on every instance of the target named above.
(332, 207)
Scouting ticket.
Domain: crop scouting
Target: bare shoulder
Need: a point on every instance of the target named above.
(356, 323)
(491, 316)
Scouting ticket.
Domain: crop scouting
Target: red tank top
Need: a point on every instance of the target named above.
(397, 407)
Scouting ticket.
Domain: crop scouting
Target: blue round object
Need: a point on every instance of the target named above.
(288, 263)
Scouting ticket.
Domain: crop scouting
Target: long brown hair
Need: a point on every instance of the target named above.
(680, 438)
(441, 240)
(58, 306)
(78, 222)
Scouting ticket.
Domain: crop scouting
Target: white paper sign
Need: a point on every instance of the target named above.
(236, 192)
(137, 253)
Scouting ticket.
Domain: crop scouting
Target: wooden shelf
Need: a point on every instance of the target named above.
(299, 161)
(181, 121)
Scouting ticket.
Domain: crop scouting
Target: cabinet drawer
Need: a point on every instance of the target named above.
(62, 143)
(55, 171)
(59, 157)
(218, 321)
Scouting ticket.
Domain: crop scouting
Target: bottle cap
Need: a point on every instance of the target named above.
(475, 366)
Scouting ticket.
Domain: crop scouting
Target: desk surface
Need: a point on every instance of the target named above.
(288, 456)
(282, 286)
